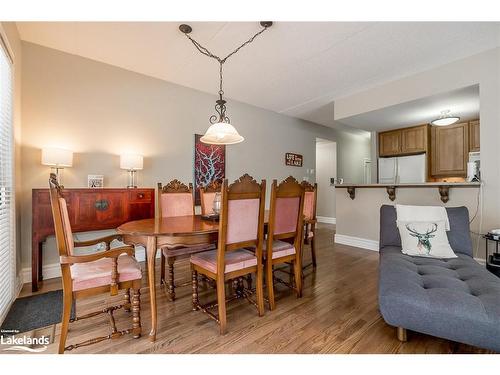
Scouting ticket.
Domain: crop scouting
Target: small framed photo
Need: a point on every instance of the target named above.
(95, 181)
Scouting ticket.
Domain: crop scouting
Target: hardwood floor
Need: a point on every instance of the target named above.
(337, 314)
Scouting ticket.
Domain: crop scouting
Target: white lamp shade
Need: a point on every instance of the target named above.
(57, 157)
(131, 162)
(222, 133)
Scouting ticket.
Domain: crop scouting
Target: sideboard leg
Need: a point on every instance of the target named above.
(35, 255)
(40, 261)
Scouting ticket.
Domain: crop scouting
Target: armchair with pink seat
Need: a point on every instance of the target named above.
(107, 271)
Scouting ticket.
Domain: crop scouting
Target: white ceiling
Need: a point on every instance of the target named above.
(295, 68)
(463, 103)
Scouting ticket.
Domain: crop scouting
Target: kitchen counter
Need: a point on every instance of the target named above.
(443, 187)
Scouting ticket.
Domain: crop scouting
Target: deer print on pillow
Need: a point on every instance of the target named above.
(423, 239)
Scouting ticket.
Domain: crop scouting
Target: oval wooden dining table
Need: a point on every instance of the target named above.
(156, 233)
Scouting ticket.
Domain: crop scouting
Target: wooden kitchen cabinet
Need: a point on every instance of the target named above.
(407, 141)
(389, 143)
(449, 150)
(414, 139)
(474, 136)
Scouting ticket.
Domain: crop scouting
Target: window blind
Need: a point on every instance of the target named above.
(6, 185)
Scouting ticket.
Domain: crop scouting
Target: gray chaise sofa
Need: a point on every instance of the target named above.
(456, 299)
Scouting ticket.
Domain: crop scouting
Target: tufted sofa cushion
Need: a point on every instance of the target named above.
(457, 299)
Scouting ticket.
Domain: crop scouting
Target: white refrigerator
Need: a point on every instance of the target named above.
(402, 169)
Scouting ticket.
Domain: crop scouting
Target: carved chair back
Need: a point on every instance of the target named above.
(310, 200)
(175, 199)
(241, 221)
(286, 213)
(207, 196)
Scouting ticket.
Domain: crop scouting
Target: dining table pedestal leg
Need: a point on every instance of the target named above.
(151, 255)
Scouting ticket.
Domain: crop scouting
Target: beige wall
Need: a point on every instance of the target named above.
(351, 150)
(9, 32)
(326, 167)
(482, 69)
(101, 111)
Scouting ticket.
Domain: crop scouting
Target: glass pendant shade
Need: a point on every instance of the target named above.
(221, 133)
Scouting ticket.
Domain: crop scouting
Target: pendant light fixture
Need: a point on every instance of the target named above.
(221, 132)
(445, 119)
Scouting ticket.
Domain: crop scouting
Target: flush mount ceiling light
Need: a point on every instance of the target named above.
(221, 132)
(445, 119)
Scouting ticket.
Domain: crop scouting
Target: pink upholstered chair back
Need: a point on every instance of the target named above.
(175, 199)
(242, 220)
(286, 215)
(309, 205)
(207, 195)
(242, 215)
(309, 200)
(286, 209)
(176, 204)
(208, 203)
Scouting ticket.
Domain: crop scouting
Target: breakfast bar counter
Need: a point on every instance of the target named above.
(443, 188)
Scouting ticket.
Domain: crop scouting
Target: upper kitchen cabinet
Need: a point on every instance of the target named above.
(389, 143)
(405, 141)
(414, 139)
(474, 136)
(449, 150)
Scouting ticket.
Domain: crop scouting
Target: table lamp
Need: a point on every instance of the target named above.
(57, 159)
(131, 163)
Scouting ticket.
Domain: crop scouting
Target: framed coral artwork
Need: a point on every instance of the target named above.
(209, 164)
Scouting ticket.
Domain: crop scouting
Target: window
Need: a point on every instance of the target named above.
(6, 185)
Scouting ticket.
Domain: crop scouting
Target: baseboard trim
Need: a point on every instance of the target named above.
(362, 243)
(51, 271)
(326, 219)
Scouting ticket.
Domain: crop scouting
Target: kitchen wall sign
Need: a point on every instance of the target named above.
(292, 159)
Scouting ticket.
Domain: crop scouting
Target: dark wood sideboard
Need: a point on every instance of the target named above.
(89, 209)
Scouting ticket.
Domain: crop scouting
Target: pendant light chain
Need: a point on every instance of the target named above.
(221, 132)
(221, 61)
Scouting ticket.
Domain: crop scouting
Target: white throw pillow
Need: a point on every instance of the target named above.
(425, 239)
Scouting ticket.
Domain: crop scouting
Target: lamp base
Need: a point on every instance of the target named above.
(131, 179)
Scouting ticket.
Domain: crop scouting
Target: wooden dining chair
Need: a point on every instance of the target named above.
(284, 234)
(107, 271)
(176, 199)
(241, 225)
(310, 200)
(207, 196)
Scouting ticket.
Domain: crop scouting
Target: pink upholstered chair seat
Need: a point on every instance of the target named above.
(174, 252)
(280, 249)
(235, 260)
(310, 234)
(98, 273)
